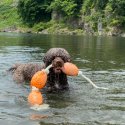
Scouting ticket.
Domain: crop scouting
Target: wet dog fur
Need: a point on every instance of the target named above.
(57, 80)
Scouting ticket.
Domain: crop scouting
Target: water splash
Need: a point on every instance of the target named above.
(40, 107)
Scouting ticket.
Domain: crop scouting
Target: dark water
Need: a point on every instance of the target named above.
(102, 59)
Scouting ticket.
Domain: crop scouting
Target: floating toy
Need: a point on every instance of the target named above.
(70, 69)
(35, 97)
(38, 81)
(39, 78)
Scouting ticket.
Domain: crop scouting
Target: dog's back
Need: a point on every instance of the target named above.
(24, 72)
(14, 67)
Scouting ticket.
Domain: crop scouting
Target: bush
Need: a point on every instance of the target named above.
(41, 26)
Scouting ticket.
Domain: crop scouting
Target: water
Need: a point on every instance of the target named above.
(102, 59)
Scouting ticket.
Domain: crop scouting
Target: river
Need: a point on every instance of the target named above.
(102, 59)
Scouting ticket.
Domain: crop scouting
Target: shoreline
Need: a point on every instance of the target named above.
(64, 31)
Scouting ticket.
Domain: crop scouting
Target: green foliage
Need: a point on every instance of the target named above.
(100, 4)
(33, 11)
(37, 13)
(90, 5)
(8, 15)
(66, 7)
(92, 12)
(118, 7)
(42, 25)
(87, 6)
(116, 10)
(112, 12)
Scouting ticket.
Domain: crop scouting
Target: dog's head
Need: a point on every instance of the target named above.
(57, 64)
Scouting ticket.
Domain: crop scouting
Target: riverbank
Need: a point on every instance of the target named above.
(64, 31)
(11, 22)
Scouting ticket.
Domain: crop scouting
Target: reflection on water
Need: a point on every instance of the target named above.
(102, 59)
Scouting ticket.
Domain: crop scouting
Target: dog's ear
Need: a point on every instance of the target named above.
(57, 62)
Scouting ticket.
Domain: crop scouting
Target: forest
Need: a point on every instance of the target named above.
(80, 15)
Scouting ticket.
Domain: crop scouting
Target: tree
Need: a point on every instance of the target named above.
(34, 11)
(116, 8)
(67, 7)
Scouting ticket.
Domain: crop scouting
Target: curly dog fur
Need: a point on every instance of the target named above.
(24, 72)
(56, 81)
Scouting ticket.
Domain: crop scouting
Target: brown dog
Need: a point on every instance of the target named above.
(57, 80)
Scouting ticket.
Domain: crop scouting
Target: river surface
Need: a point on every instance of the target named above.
(102, 59)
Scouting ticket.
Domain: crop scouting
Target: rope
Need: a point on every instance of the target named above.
(47, 69)
(81, 74)
(34, 88)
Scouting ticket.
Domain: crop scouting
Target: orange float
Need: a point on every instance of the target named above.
(35, 97)
(70, 69)
(39, 79)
